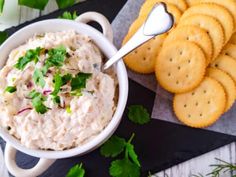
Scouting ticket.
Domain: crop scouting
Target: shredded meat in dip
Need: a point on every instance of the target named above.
(72, 119)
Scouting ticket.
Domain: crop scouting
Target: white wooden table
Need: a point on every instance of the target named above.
(14, 15)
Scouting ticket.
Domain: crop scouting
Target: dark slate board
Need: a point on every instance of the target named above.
(159, 144)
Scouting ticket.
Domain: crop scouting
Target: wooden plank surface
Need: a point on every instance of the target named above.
(15, 15)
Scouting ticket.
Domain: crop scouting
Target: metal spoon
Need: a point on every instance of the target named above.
(159, 21)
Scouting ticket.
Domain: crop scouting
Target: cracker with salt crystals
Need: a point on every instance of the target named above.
(226, 64)
(216, 11)
(230, 50)
(202, 106)
(227, 82)
(180, 66)
(142, 59)
(213, 28)
(194, 34)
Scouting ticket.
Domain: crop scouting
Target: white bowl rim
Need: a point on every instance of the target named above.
(123, 94)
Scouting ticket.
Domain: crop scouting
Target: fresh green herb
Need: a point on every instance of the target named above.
(138, 114)
(37, 102)
(68, 110)
(113, 147)
(2, 2)
(76, 171)
(10, 89)
(69, 15)
(38, 78)
(220, 168)
(65, 3)
(3, 36)
(56, 58)
(36, 4)
(31, 55)
(66, 78)
(78, 83)
(56, 99)
(126, 167)
(57, 84)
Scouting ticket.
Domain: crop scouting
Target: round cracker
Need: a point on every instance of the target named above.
(202, 106)
(216, 11)
(180, 66)
(142, 59)
(170, 8)
(227, 82)
(148, 5)
(233, 39)
(193, 34)
(230, 50)
(226, 64)
(191, 2)
(230, 5)
(213, 28)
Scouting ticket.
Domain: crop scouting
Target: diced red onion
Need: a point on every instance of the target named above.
(45, 92)
(29, 84)
(23, 110)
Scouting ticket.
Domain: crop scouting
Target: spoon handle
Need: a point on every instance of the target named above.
(145, 32)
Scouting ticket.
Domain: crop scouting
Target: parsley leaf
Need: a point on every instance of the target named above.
(124, 168)
(79, 82)
(76, 171)
(132, 154)
(65, 3)
(68, 15)
(113, 147)
(37, 102)
(31, 55)
(56, 58)
(2, 2)
(3, 36)
(10, 89)
(36, 4)
(66, 78)
(138, 114)
(38, 78)
(57, 84)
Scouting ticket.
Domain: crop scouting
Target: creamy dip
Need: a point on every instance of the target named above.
(42, 117)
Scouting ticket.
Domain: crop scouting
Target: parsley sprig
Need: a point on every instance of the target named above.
(38, 78)
(138, 114)
(127, 166)
(37, 101)
(31, 55)
(56, 57)
(10, 89)
(79, 82)
(76, 171)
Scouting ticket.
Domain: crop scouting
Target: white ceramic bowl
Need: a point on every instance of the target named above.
(104, 42)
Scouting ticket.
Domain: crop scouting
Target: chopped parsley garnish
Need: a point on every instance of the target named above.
(66, 78)
(138, 114)
(56, 58)
(39, 4)
(79, 82)
(2, 2)
(37, 102)
(65, 3)
(38, 78)
(68, 15)
(76, 171)
(10, 89)
(126, 167)
(31, 55)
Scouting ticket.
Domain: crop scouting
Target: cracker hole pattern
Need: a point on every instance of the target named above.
(179, 67)
(170, 59)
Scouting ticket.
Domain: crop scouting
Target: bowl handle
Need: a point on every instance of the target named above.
(14, 169)
(100, 19)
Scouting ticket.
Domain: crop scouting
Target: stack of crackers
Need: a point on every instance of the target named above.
(196, 60)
